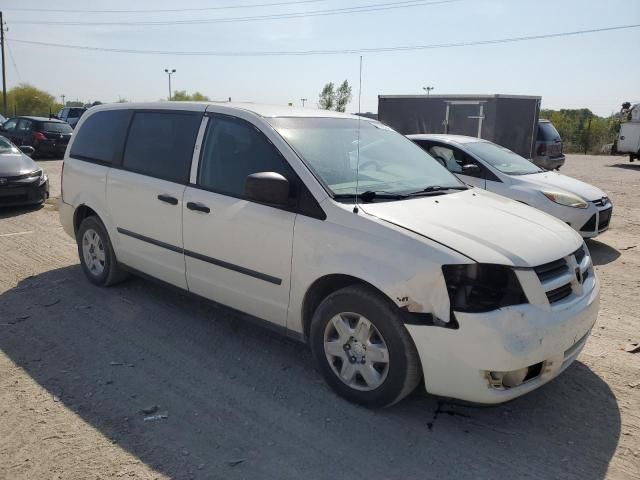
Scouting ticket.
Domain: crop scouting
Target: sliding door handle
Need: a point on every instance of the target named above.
(165, 197)
(198, 207)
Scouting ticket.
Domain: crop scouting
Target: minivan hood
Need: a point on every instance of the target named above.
(12, 164)
(484, 226)
(553, 180)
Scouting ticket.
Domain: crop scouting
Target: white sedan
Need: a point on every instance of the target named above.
(491, 167)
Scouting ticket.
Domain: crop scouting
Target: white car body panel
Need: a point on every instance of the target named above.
(527, 188)
(397, 247)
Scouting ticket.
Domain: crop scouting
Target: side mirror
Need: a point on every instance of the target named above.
(270, 188)
(27, 149)
(471, 169)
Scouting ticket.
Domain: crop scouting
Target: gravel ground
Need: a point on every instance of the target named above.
(79, 364)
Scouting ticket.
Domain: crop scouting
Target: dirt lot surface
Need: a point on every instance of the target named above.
(78, 364)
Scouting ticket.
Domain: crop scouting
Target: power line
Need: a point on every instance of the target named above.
(13, 60)
(164, 10)
(400, 48)
(278, 16)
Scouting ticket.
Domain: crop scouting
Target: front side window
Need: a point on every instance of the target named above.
(160, 144)
(502, 158)
(101, 136)
(24, 125)
(385, 160)
(234, 149)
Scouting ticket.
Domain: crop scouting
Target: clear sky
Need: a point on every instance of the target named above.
(598, 71)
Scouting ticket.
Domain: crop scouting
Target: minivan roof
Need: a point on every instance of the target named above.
(256, 108)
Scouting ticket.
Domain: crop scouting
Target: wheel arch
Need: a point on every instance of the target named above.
(325, 286)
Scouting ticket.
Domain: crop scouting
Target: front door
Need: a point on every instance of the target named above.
(145, 193)
(237, 252)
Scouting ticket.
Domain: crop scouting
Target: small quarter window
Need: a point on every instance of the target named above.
(101, 136)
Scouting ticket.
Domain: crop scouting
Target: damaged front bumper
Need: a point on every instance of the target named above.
(496, 356)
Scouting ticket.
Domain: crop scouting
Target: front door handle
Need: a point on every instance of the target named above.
(165, 197)
(198, 207)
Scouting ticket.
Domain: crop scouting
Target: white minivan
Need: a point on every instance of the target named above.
(340, 232)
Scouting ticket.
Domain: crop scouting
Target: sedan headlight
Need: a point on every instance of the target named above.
(482, 287)
(566, 199)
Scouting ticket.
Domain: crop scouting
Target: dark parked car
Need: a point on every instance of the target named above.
(548, 147)
(48, 136)
(71, 115)
(22, 181)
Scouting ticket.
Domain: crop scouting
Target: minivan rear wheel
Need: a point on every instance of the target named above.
(362, 348)
(96, 253)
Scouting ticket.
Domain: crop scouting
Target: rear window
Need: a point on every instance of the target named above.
(76, 112)
(160, 144)
(547, 132)
(55, 127)
(101, 136)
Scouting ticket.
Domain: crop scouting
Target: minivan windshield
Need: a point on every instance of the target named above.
(389, 162)
(502, 158)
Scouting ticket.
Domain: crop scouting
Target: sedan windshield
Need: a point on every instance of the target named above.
(6, 146)
(386, 161)
(502, 158)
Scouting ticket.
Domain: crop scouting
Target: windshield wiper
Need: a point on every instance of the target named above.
(370, 195)
(436, 190)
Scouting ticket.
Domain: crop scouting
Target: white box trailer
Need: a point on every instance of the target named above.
(629, 136)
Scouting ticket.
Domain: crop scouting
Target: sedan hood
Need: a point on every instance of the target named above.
(12, 164)
(486, 227)
(556, 181)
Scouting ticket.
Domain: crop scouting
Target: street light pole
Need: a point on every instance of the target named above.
(63, 97)
(303, 100)
(4, 78)
(428, 89)
(169, 72)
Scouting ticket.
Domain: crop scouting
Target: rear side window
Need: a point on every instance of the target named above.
(234, 149)
(101, 136)
(160, 144)
(547, 132)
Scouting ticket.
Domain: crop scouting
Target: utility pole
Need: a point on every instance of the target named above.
(63, 97)
(4, 77)
(169, 72)
(303, 100)
(428, 89)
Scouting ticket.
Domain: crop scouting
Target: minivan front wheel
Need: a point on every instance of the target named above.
(362, 348)
(96, 253)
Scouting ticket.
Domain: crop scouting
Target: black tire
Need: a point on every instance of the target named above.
(111, 273)
(403, 374)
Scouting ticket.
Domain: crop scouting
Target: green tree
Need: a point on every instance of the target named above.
(343, 96)
(581, 130)
(183, 96)
(327, 97)
(26, 99)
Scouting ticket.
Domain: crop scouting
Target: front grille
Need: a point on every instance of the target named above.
(551, 270)
(559, 293)
(601, 202)
(590, 226)
(579, 254)
(14, 198)
(604, 219)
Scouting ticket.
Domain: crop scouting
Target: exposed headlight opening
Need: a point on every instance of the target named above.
(482, 287)
(566, 199)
